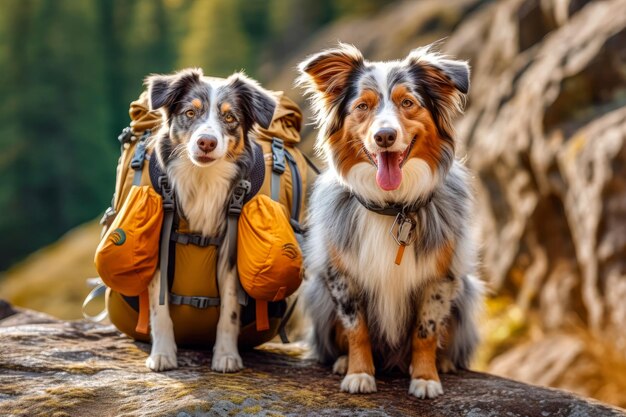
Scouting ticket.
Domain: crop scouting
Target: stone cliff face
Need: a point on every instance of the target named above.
(545, 134)
(54, 368)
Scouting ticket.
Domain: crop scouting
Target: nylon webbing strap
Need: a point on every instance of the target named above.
(139, 157)
(282, 332)
(242, 188)
(168, 221)
(98, 291)
(278, 166)
(296, 198)
(194, 301)
(195, 239)
(296, 183)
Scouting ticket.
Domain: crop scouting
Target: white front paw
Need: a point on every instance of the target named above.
(425, 388)
(162, 361)
(358, 383)
(226, 362)
(340, 366)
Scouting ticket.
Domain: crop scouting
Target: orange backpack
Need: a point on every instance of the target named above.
(267, 252)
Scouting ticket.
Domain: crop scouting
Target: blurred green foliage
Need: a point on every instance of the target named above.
(70, 68)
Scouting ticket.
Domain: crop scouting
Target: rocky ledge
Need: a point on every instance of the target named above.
(57, 368)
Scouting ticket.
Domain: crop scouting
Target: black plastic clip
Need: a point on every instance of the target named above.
(125, 136)
(139, 157)
(239, 194)
(167, 192)
(199, 302)
(278, 156)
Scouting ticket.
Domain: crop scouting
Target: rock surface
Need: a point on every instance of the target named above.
(56, 368)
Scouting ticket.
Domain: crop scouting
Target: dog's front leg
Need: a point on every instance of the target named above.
(360, 373)
(163, 354)
(225, 352)
(434, 310)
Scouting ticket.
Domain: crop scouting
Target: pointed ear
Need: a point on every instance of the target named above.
(458, 72)
(327, 73)
(258, 104)
(442, 83)
(164, 90)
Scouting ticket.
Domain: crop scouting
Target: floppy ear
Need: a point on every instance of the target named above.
(328, 72)
(257, 104)
(164, 90)
(442, 83)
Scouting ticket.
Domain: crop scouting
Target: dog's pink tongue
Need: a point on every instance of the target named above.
(389, 175)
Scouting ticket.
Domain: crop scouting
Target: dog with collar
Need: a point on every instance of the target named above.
(389, 253)
(204, 148)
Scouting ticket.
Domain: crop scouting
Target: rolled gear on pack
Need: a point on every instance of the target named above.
(194, 303)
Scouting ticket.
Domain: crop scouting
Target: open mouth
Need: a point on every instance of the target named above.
(389, 166)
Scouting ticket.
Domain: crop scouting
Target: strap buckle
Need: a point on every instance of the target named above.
(278, 156)
(194, 301)
(139, 157)
(199, 302)
(125, 136)
(167, 192)
(193, 239)
(239, 194)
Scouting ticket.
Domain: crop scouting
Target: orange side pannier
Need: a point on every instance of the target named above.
(269, 260)
(127, 257)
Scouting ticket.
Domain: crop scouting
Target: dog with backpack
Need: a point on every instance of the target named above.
(389, 253)
(201, 245)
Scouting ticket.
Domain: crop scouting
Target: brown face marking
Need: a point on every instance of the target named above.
(225, 107)
(196, 103)
(236, 145)
(347, 143)
(416, 121)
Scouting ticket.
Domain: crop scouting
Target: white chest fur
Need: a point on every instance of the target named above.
(388, 285)
(202, 192)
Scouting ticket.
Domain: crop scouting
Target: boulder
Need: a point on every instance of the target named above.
(77, 368)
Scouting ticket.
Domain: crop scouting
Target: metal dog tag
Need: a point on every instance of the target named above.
(403, 232)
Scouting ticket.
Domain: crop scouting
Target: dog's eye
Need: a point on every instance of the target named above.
(229, 118)
(362, 106)
(190, 113)
(406, 103)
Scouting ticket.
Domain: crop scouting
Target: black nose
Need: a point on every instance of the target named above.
(207, 143)
(385, 137)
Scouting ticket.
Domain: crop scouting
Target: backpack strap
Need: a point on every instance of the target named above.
(98, 291)
(240, 191)
(243, 191)
(282, 331)
(169, 206)
(139, 157)
(278, 167)
(161, 184)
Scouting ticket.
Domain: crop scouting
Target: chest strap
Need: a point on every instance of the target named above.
(193, 301)
(196, 239)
